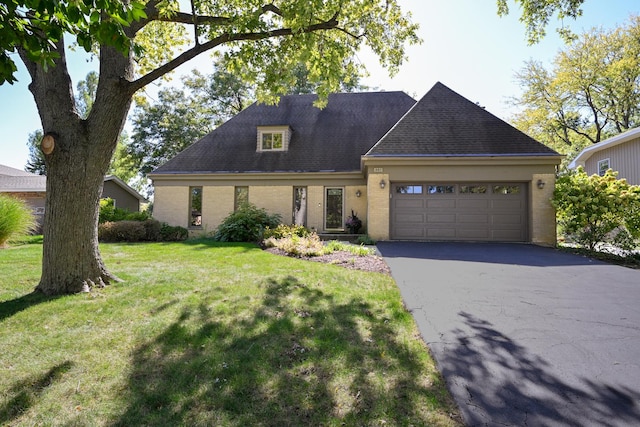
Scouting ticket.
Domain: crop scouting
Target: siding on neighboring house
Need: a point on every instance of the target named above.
(123, 199)
(623, 158)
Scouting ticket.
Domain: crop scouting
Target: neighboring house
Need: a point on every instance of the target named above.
(620, 153)
(32, 189)
(441, 168)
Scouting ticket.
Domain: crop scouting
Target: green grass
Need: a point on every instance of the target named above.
(204, 333)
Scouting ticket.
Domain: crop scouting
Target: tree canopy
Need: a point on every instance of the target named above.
(591, 92)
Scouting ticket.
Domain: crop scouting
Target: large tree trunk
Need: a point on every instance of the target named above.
(76, 168)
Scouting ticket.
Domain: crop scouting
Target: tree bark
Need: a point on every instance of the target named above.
(76, 168)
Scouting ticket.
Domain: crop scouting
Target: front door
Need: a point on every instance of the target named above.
(334, 209)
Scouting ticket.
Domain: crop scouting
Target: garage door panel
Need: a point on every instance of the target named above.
(410, 218)
(441, 233)
(410, 233)
(412, 203)
(439, 203)
(491, 216)
(474, 219)
(506, 204)
(473, 233)
(441, 218)
(473, 203)
(507, 220)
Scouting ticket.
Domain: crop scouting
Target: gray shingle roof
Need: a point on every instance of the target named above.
(17, 181)
(444, 123)
(329, 139)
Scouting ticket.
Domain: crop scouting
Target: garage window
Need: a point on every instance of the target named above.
(409, 189)
(473, 189)
(441, 189)
(506, 189)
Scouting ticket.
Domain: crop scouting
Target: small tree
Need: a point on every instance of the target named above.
(15, 218)
(598, 209)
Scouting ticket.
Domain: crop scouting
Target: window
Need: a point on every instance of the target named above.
(300, 206)
(241, 198)
(334, 208)
(441, 189)
(409, 189)
(272, 140)
(473, 189)
(506, 189)
(603, 166)
(195, 206)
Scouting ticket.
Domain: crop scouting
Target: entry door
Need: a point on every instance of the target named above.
(334, 209)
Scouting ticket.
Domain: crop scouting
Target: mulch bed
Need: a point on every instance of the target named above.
(372, 263)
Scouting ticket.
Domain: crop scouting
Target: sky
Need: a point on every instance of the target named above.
(466, 46)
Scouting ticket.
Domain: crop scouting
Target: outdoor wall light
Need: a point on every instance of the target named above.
(358, 193)
(382, 183)
(540, 184)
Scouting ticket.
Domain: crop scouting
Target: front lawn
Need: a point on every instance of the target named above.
(204, 333)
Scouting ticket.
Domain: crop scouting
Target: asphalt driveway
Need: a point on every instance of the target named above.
(525, 335)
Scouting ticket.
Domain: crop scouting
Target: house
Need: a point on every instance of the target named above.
(620, 153)
(32, 189)
(442, 168)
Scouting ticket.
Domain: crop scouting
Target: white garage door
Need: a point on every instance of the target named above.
(459, 211)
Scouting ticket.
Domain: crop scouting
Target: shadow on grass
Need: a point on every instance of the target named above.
(295, 358)
(504, 384)
(26, 392)
(14, 306)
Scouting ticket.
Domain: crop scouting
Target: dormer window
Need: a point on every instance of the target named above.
(273, 138)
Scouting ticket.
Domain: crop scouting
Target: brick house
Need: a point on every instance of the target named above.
(441, 168)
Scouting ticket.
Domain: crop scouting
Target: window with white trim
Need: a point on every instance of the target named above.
(273, 138)
(603, 166)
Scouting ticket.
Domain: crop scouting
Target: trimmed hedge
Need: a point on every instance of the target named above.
(149, 230)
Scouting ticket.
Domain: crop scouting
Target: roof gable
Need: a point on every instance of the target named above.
(330, 139)
(586, 153)
(444, 123)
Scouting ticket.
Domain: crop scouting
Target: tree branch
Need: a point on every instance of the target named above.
(332, 23)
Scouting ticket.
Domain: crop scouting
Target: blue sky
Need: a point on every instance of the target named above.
(466, 46)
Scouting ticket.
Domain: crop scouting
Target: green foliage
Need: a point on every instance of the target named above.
(283, 230)
(35, 162)
(16, 218)
(537, 13)
(170, 233)
(109, 213)
(592, 92)
(365, 239)
(359, 250)
(246, 224)
(593, 210)
(35, 27)
(294, 245)
(148, 230)
(121, 231)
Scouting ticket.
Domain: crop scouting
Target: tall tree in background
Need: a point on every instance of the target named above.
(591, 93)
(138, 43)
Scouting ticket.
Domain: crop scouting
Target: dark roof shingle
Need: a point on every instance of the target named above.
(444, 123)
(329, 139)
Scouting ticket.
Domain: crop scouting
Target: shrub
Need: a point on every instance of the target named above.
(15, 218)
(593, 210)
(308, 246)
(109, 213)
(246, 224)
(283, 230)
(171, 233)
(365, 240)
(121, 231)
